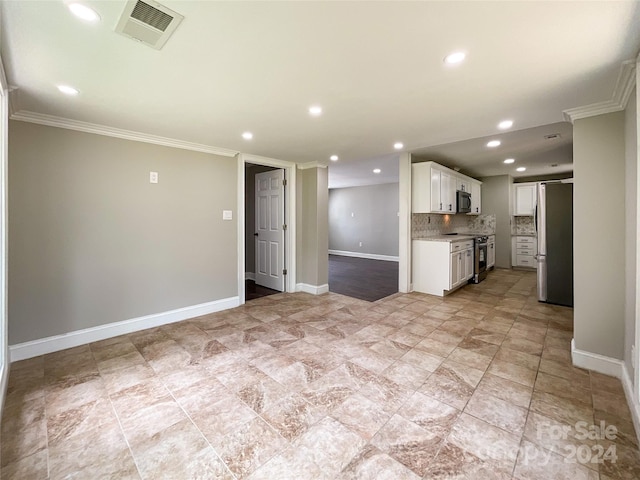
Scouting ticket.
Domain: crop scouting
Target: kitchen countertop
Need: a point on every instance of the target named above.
(447, 238)
(523, 235)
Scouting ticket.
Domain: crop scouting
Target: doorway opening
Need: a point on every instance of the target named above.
(265, 227)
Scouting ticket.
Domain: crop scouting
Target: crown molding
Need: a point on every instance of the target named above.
(624, 87)
(60, 122)
(305, 166)
(271, 162)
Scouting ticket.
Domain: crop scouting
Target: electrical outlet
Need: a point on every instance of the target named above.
(352, 215)
(153, 177)
(360, 244)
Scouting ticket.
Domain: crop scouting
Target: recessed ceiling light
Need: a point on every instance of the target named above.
(67, 90)
(508, 160)
(455, 57)
(333, 158)
(376, 170)
(398, 145)
(315, 110)
(493, 143)
(520, 169)
(503, 125)
(83, 12)
(247, 135)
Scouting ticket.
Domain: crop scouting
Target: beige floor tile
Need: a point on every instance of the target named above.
(361, 415)
(497, 412)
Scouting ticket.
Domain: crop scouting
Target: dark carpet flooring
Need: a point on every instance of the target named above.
(362, 278)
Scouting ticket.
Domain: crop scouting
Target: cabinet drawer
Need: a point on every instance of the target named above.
(525, 239)
(458, 246)
(525, 261)
(525, 251)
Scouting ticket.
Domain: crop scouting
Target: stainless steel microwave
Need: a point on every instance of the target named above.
(463, 202)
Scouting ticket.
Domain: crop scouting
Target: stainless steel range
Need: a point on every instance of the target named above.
(480, 258)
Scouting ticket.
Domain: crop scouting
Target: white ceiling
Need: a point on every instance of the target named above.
(375, 67)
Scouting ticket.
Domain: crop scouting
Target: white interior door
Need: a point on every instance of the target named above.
(269, 231)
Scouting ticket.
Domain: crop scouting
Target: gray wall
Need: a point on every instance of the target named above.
(91, 241)
(496, 199)
(374, 221)
(312, 227)
(599, 233)
(250, 172)
(631, 224)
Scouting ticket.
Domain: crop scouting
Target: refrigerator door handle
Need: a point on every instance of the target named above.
(542, 277)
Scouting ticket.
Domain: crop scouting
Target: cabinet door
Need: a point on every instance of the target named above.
(491, 254)
(525, 199)
(463, 184)
(455, 266)
(476, 198)
(468, 264)
(448, 192)
(436, 182)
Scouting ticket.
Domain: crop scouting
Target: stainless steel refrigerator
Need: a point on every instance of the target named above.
(554, 226)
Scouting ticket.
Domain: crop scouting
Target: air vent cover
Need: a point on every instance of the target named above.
(148, 22)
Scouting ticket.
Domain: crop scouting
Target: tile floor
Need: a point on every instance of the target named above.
(478, 385)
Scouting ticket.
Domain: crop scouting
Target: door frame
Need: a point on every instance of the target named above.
(289, 218)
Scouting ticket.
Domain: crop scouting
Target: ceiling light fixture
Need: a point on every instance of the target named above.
(333, 158)
(493, 143)
(520, 169)
(376, 170)
(454, 58)
(315, 110)
(398, 145)
(247, 135)
(503, 125)
(83, 12)
(67, 90)
(508, 160)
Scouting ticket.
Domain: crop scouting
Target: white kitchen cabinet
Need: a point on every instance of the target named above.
(476, 198)
(439, 267)
(524, 198)
(491, 251)
(523, 251)
(463, 184)
(432, 188)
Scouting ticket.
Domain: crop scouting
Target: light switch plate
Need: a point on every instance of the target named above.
(227, 215)
(153, 177)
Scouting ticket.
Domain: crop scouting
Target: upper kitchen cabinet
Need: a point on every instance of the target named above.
(476, 198)
(433, 188)
(524, 198)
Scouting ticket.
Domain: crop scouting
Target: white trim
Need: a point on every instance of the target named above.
(42, 346)
(596, 362)
(312, 289)
(371, 256)
(624, 87)
(53, 121)
(307, 165)
(250, 276)
(289, 214)
(634, 406)
(404, 224)
(5, 107)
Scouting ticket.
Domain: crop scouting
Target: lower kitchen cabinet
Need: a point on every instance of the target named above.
(523, 251)
(491, 251)
(441, 266)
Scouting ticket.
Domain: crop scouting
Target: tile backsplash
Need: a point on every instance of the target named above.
(523, 226)
(429, 224)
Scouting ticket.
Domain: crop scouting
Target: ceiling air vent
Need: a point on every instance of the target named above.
(148, 22)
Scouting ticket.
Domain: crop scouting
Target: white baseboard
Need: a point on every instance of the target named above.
(597, 363)
(42, 346)
(312, 289)
(613, 367)
(371, 256)
(250, 276)
(634, 406)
